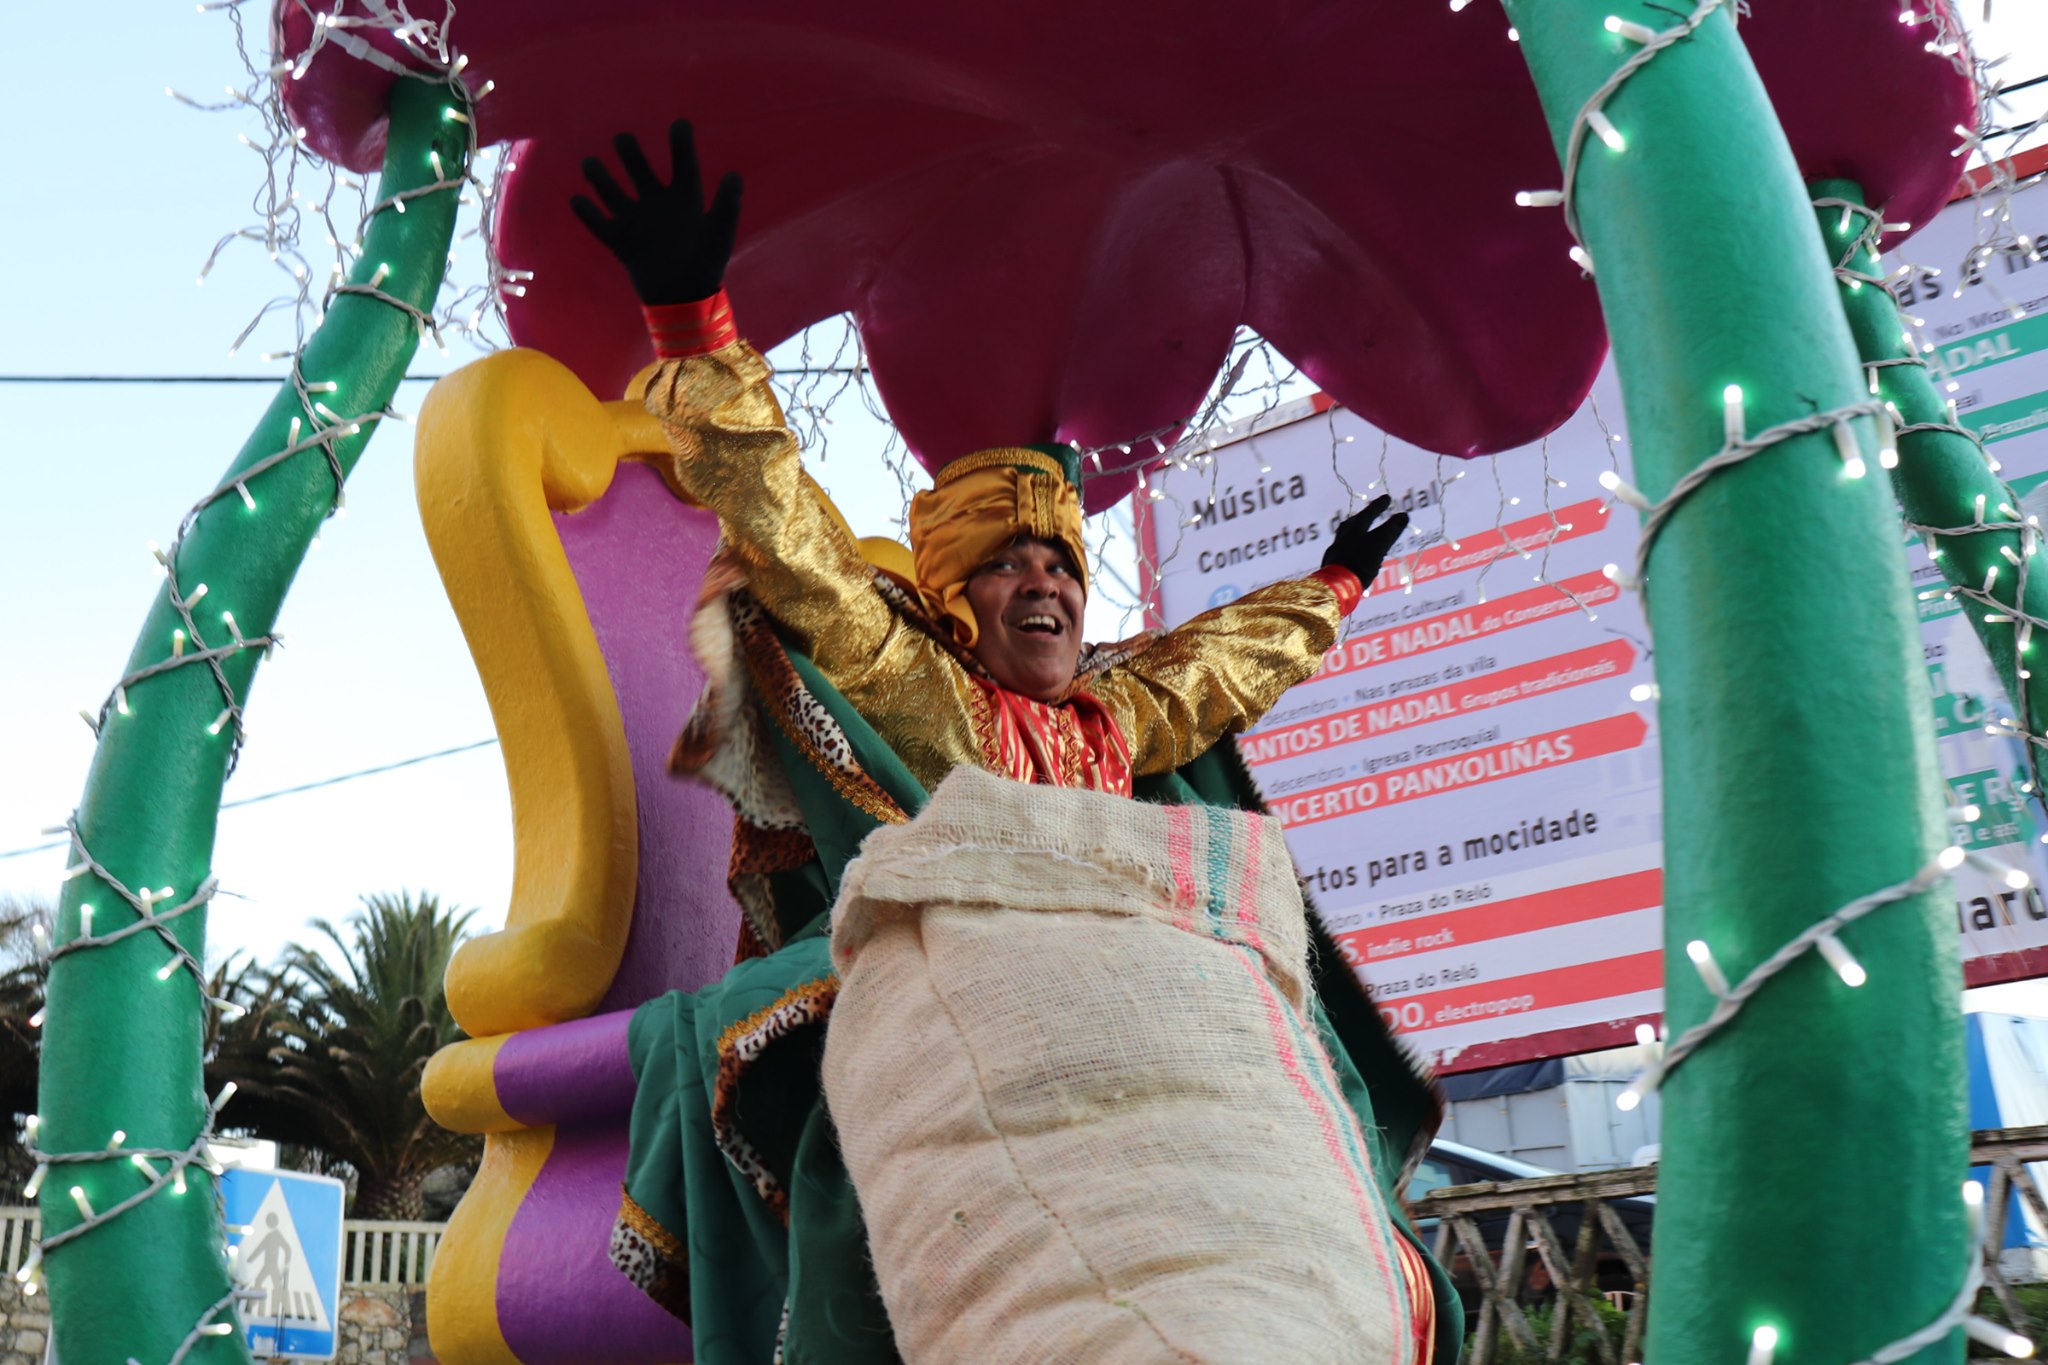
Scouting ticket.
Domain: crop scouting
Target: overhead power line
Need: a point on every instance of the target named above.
(293, 791)
(170, 378)
(279, 379)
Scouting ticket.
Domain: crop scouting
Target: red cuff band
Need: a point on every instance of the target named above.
(686, 329)
(1343, 583)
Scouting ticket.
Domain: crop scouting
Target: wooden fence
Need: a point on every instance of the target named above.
(1509, 1279)
(375, 1255)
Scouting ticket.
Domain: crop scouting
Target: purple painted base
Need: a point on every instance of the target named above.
(560, 1299)
(575, 1073)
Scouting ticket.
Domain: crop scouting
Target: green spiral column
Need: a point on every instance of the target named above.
(1814, 1149)
(121, 1048)
(1941, 475)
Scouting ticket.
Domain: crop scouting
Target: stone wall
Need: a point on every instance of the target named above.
(378, 1326)
(24, 1324)
(381, 1327)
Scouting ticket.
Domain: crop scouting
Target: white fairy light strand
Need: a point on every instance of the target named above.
(208, 1326)
(1729, 1001)
(144, 904)
(1592, 117)
(148, 919)
(171, 1178)
(322, 426)
(1658, 514)
(287, 159)
(1997, 609)
(1960, 1312)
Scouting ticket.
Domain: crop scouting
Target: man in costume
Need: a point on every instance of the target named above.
(880, 682)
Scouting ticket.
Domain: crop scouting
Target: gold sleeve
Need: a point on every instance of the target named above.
(1218, 673)
(735, 454)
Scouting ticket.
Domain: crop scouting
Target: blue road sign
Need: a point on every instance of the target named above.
(285, 1229)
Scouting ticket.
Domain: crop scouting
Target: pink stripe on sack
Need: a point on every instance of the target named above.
(1290, 1061)
(1180, 847)
(1356, 1132)
(1247, 908)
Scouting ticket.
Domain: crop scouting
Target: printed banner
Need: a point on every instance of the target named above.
(1470, 783)
(1467, 783)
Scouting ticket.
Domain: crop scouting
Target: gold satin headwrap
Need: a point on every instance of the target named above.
(977, 505)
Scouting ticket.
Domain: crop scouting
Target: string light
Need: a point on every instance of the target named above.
(1629, 29)
(1735, 452)
(1710, 971)
(1731, 413)
(1604, 128)
(1845, 446)
(1846, 966)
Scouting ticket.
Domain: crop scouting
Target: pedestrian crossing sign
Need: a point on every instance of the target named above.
(284, 1235)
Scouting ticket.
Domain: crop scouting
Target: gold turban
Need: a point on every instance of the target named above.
(979, 504)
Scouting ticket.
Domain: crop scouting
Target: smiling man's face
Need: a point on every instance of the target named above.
(1027, 602)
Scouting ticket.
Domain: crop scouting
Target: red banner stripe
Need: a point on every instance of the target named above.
(1526, 608)
(1475, 693)
(1476, 551)
(1572, 744)
(1503, 919)
(1518, 995)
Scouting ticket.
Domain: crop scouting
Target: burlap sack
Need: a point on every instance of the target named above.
(1084, 1108)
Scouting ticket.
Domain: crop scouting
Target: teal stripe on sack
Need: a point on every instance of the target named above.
(1217, 826)
(1221, 828)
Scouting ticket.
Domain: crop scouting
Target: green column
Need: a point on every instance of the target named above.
(121, 1047)
(1813, 1151)
(1941, 474)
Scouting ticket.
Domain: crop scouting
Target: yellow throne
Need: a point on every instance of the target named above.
(572, 566)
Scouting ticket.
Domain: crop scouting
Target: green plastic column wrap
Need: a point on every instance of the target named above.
(1813, 1150)
(121, 1048)
(1941, 475)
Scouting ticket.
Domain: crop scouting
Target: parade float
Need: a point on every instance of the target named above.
(1444, 219)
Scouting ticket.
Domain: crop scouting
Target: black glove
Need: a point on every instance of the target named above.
(1362, 547)
(674, 248)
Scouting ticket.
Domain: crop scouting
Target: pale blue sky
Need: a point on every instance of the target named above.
(113, 196)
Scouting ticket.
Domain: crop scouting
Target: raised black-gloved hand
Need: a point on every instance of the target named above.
(1362, 547)
(674, 248)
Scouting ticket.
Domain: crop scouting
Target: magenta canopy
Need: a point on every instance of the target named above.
(1050, 222)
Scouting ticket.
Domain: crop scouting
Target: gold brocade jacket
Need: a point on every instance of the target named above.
(1171, 700)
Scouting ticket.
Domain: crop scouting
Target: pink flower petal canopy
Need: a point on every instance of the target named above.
(1050, 221)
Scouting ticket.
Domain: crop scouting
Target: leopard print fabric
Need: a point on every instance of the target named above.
(802, 1007)
(651, 1257)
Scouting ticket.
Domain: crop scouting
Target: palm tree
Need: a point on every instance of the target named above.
(330, 1058)
(23, 974)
